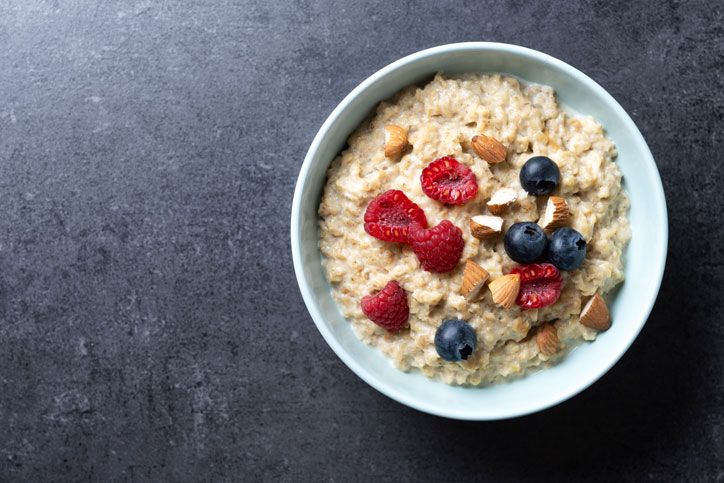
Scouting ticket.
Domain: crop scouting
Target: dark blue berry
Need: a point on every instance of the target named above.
(525, 242)
(539, 176)
(567, 249)
(455, 340)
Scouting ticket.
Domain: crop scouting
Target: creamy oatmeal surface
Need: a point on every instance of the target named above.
(442, 117)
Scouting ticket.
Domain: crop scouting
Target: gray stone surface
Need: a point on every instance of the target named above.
(150, 323)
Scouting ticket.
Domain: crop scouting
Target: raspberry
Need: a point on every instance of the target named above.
(448, 181)
(389, 216)
(540, 285)
(387, 308)
(439, 248)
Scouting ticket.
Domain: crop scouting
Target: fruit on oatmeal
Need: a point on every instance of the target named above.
(455, 340)
(595, 314)
(387, 308)
(556, 214)
(474, 278)
(439, 248)
(439, 118)
(539, 176)
(540, 285)
(501, 199)
(567, 249)
(448, 181)
(395, 141)
(546, 338)
(389, 216)
(525, 242)
(505, 290)
(485, 226)
(488, 148)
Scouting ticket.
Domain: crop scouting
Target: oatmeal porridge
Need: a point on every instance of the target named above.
(491, 132)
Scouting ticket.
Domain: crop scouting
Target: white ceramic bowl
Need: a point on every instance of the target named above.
(645, 256)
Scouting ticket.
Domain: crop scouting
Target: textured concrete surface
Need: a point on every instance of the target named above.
(150, 323)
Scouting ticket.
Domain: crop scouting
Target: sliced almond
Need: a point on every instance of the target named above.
(501, 199)
(474, 278)
(485, 226)
(547, 339)
(395, 140)
(490, 149)
(595, 314)
(556, 214)
(505, 290)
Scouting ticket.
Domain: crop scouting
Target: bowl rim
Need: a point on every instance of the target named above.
(658, 198)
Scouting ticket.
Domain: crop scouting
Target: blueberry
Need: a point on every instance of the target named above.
(567, 249)
(455, 340)
(525, 242)
(539, 176)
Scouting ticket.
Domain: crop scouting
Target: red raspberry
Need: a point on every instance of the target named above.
(448, 181)
(540, 285)
(389, 216)
(439, 248)
(387, 308)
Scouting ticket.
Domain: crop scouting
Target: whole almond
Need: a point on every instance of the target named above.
(485, 226)
(505, 289)
(490, 149)
(595, 314)
(547, 339)
(474, 278)
(395, 140)
(556, 214)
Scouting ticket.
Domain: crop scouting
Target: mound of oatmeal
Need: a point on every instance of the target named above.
(441, 118)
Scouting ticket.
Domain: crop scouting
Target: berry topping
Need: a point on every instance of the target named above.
(448, 181)
(455, 340)
(387, 308)
(525, 242)
(540, 285)
(389, 216)
(539, 176)
(439, 248)
(567, 249)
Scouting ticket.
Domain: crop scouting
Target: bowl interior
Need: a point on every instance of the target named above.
(645, 256)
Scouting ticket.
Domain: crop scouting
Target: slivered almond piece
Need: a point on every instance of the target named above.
(490, 149)
(501, 199)
(395, 140)
(505, 289)
(474, 278)
(547, 339)
(485, 226)
(595, 314)
(556, 214)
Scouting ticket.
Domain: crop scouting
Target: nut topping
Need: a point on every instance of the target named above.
(485, 226)
(505, 290)
(595, 314)
(395, 140)
(474, 278)
(490, 149)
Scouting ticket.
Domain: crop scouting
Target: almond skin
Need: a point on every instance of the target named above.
(395, 141)
(490, 149)
(501, 199)
(556, 214)
(474, 278)
(547, 339)
(483, 227)
(505, 290)
(595, 314)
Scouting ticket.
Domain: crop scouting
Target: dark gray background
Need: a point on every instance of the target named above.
(150, 323)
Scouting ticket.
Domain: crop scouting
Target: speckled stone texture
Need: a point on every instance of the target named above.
(150, 323)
